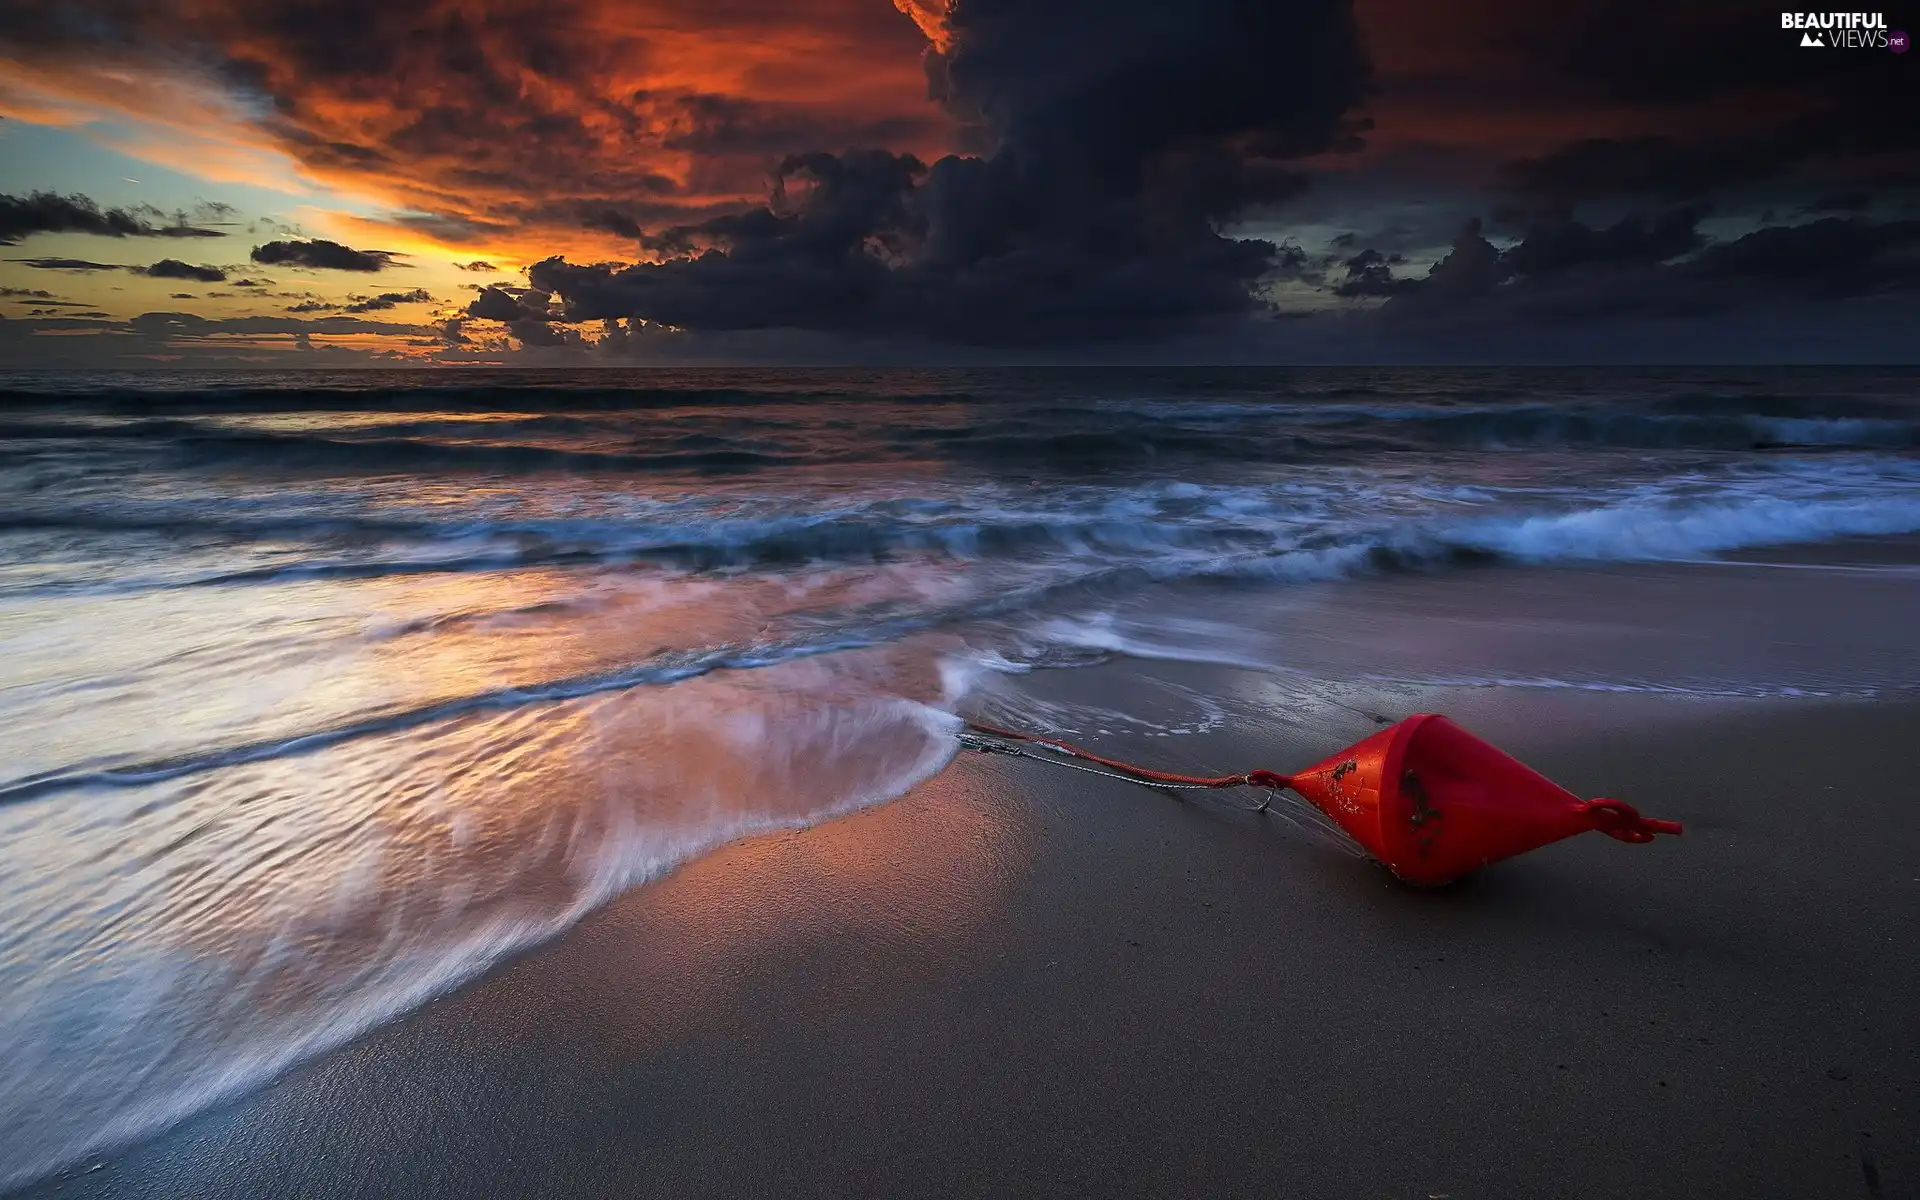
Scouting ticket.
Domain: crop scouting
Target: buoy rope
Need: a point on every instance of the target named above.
(989, 739)
(1132, 772)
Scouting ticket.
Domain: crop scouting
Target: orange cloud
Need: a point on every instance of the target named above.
(930, 16)
(493, 123)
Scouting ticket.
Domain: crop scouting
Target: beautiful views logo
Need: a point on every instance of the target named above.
(1857, 31)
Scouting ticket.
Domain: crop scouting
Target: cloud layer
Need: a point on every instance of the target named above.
(1123, 134)
(320, 254)
(45, 212)
(1564, 273)
(1017, 175)
(494, 118)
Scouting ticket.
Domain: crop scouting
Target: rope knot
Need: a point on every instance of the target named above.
(1622, 821)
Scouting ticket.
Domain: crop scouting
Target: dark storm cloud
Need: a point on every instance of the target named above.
(1653, 270)
(1370, 273)
(323, 255)
(253, 283)
(1849, 202)
(1836, 256)
(1123, 134)
(46, 212)
(1656, 165)
(386, 300)
(188, 324)
(173, 268)
(497, 304)
(166, 268)
(1560, 245)
(609, 220)
(53, 321)
(363, 304)
(478, 265)
(93, 339)
(67, 264)
(31, 293)
(533, 331)
(182, 296)
(1292, 262)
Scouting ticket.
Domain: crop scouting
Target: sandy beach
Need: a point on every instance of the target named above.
(1018, 980)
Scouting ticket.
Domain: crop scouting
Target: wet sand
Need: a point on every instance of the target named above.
(1020, 980)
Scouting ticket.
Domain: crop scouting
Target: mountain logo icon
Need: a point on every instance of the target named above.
(1812, 39)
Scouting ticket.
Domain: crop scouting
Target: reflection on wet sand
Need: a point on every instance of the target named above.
(880, 898)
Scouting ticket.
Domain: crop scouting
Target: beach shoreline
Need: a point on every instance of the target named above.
(1018, 980)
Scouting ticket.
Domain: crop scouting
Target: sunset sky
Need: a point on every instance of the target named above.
(282, 182)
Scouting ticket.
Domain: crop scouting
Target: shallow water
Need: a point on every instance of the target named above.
(321, 693)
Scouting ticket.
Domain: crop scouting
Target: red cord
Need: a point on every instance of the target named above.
(1618, 819)
(1265, 779)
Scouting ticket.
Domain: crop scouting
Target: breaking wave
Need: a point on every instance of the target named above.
(1157, 531)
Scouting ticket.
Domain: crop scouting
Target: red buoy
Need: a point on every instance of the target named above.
(1433, 803)
(1425, 797)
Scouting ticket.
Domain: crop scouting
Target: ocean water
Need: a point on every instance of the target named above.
(319, 693)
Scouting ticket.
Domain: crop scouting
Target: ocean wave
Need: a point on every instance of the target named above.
(162, 1035)
(1284, 433)
(1166, 530)
(1607, 534)
(1619, 532)
(1097, 636)
(1704, 423)
(198, 447)
(1647, 532)
(535, 428)
(299, 451)
(667, 668)
(812, 636)
(1551, 428)
(300, 394)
